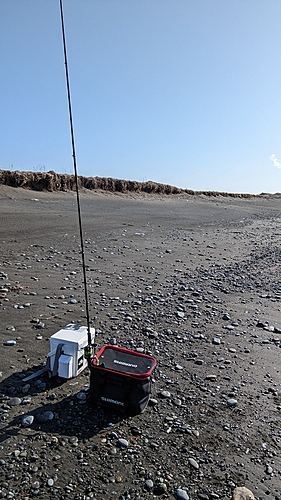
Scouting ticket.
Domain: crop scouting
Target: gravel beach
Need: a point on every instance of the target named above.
(191, 280)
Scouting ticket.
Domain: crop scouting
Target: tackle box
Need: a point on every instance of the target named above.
(121, 378)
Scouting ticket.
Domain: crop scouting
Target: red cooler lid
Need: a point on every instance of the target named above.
(124, 361)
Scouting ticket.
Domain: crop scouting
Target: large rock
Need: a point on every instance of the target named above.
(242, 493)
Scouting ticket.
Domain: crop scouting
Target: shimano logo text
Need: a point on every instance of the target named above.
(113, 401)
(124, 363)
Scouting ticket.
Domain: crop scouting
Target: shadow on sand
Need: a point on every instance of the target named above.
(51, 409)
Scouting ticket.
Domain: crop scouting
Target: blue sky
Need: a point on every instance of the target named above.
(183, 92)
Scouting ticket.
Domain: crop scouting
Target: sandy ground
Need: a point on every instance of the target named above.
(195, 282)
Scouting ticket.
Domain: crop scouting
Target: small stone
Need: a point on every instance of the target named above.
(123, 443)
(15, 401)
(178, 367)
(231, 402)
(148, 484)
(165, 394)
(39, 384)
(26, 400)
(10, 342)
(182, 494)
(226, 317)
(177, 402)
(42, 418)
(269, 469)
(242, 493)
(81, 396)
(73, 440)
(193, 463)
(25, 388)
(180, 314)
(39, 325)
(27, 420)
(50, 482)
(112, 341)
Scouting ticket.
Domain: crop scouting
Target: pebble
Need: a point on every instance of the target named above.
(193, 463)
(148, 484)
(27, 420)
(123, 443)
(39, 325)
(25, 389)
(73, 440)
(216, 341)
(229, 327)
(231, 402)
(39, 384)
(81, 396)
(15, 401)
(178, 367)
(26, 400)
(165, 394)
(269, 469)
(42, 418)
(180, 314)
(181, 494)
(10, 342)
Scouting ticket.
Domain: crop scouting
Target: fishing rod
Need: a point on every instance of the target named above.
(89, 349)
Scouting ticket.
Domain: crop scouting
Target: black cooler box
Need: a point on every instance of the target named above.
(121, 378)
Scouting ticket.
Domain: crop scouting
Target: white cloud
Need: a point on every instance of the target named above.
(276, 162)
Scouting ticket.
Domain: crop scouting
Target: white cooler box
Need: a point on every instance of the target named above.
(66, 357)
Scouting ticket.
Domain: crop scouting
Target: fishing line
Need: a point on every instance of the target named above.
(88, 350)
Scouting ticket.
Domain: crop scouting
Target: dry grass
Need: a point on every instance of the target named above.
(51, 181)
